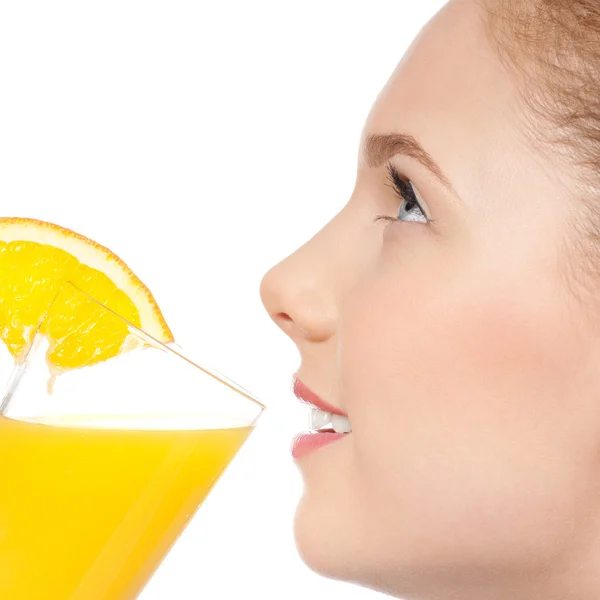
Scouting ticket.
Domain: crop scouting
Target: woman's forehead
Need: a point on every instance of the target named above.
(450, 68)
(452, 93)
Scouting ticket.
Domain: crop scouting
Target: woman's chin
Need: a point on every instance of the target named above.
(318, 546)
(329, 541)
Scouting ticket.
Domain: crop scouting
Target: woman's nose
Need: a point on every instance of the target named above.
(298, 296)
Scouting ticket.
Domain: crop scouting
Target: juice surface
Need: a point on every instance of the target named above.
(88, 513)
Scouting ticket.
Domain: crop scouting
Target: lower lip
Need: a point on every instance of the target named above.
(305, 443)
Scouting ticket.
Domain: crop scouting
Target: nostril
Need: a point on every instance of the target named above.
(287, 324)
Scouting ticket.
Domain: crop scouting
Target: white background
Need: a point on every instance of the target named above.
(203, 142)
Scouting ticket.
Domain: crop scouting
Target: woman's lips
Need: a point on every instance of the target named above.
(308, 442)
(305, 443)
(303, 393)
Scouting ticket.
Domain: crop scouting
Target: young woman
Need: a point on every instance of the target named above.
(450, 315)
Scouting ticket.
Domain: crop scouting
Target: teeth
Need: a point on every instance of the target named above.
(340, 424)
(319, 418)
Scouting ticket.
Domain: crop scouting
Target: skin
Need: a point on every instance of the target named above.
(468, 369)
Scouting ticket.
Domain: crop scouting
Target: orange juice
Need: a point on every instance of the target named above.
(87, 513)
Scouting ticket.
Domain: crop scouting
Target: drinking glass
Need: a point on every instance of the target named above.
(103, 466)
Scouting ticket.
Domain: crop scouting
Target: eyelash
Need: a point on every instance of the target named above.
(403, 189)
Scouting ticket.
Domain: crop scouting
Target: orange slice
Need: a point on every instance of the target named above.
(36, 259)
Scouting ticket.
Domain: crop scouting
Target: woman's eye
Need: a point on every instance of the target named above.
(410, 209)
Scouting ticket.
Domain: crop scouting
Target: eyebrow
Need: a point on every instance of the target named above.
(379, 148)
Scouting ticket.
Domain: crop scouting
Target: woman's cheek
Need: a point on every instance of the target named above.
(446, 384)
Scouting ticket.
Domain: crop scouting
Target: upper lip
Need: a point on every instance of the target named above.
(305, 394)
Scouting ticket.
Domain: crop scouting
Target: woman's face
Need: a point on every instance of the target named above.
(455, 345)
